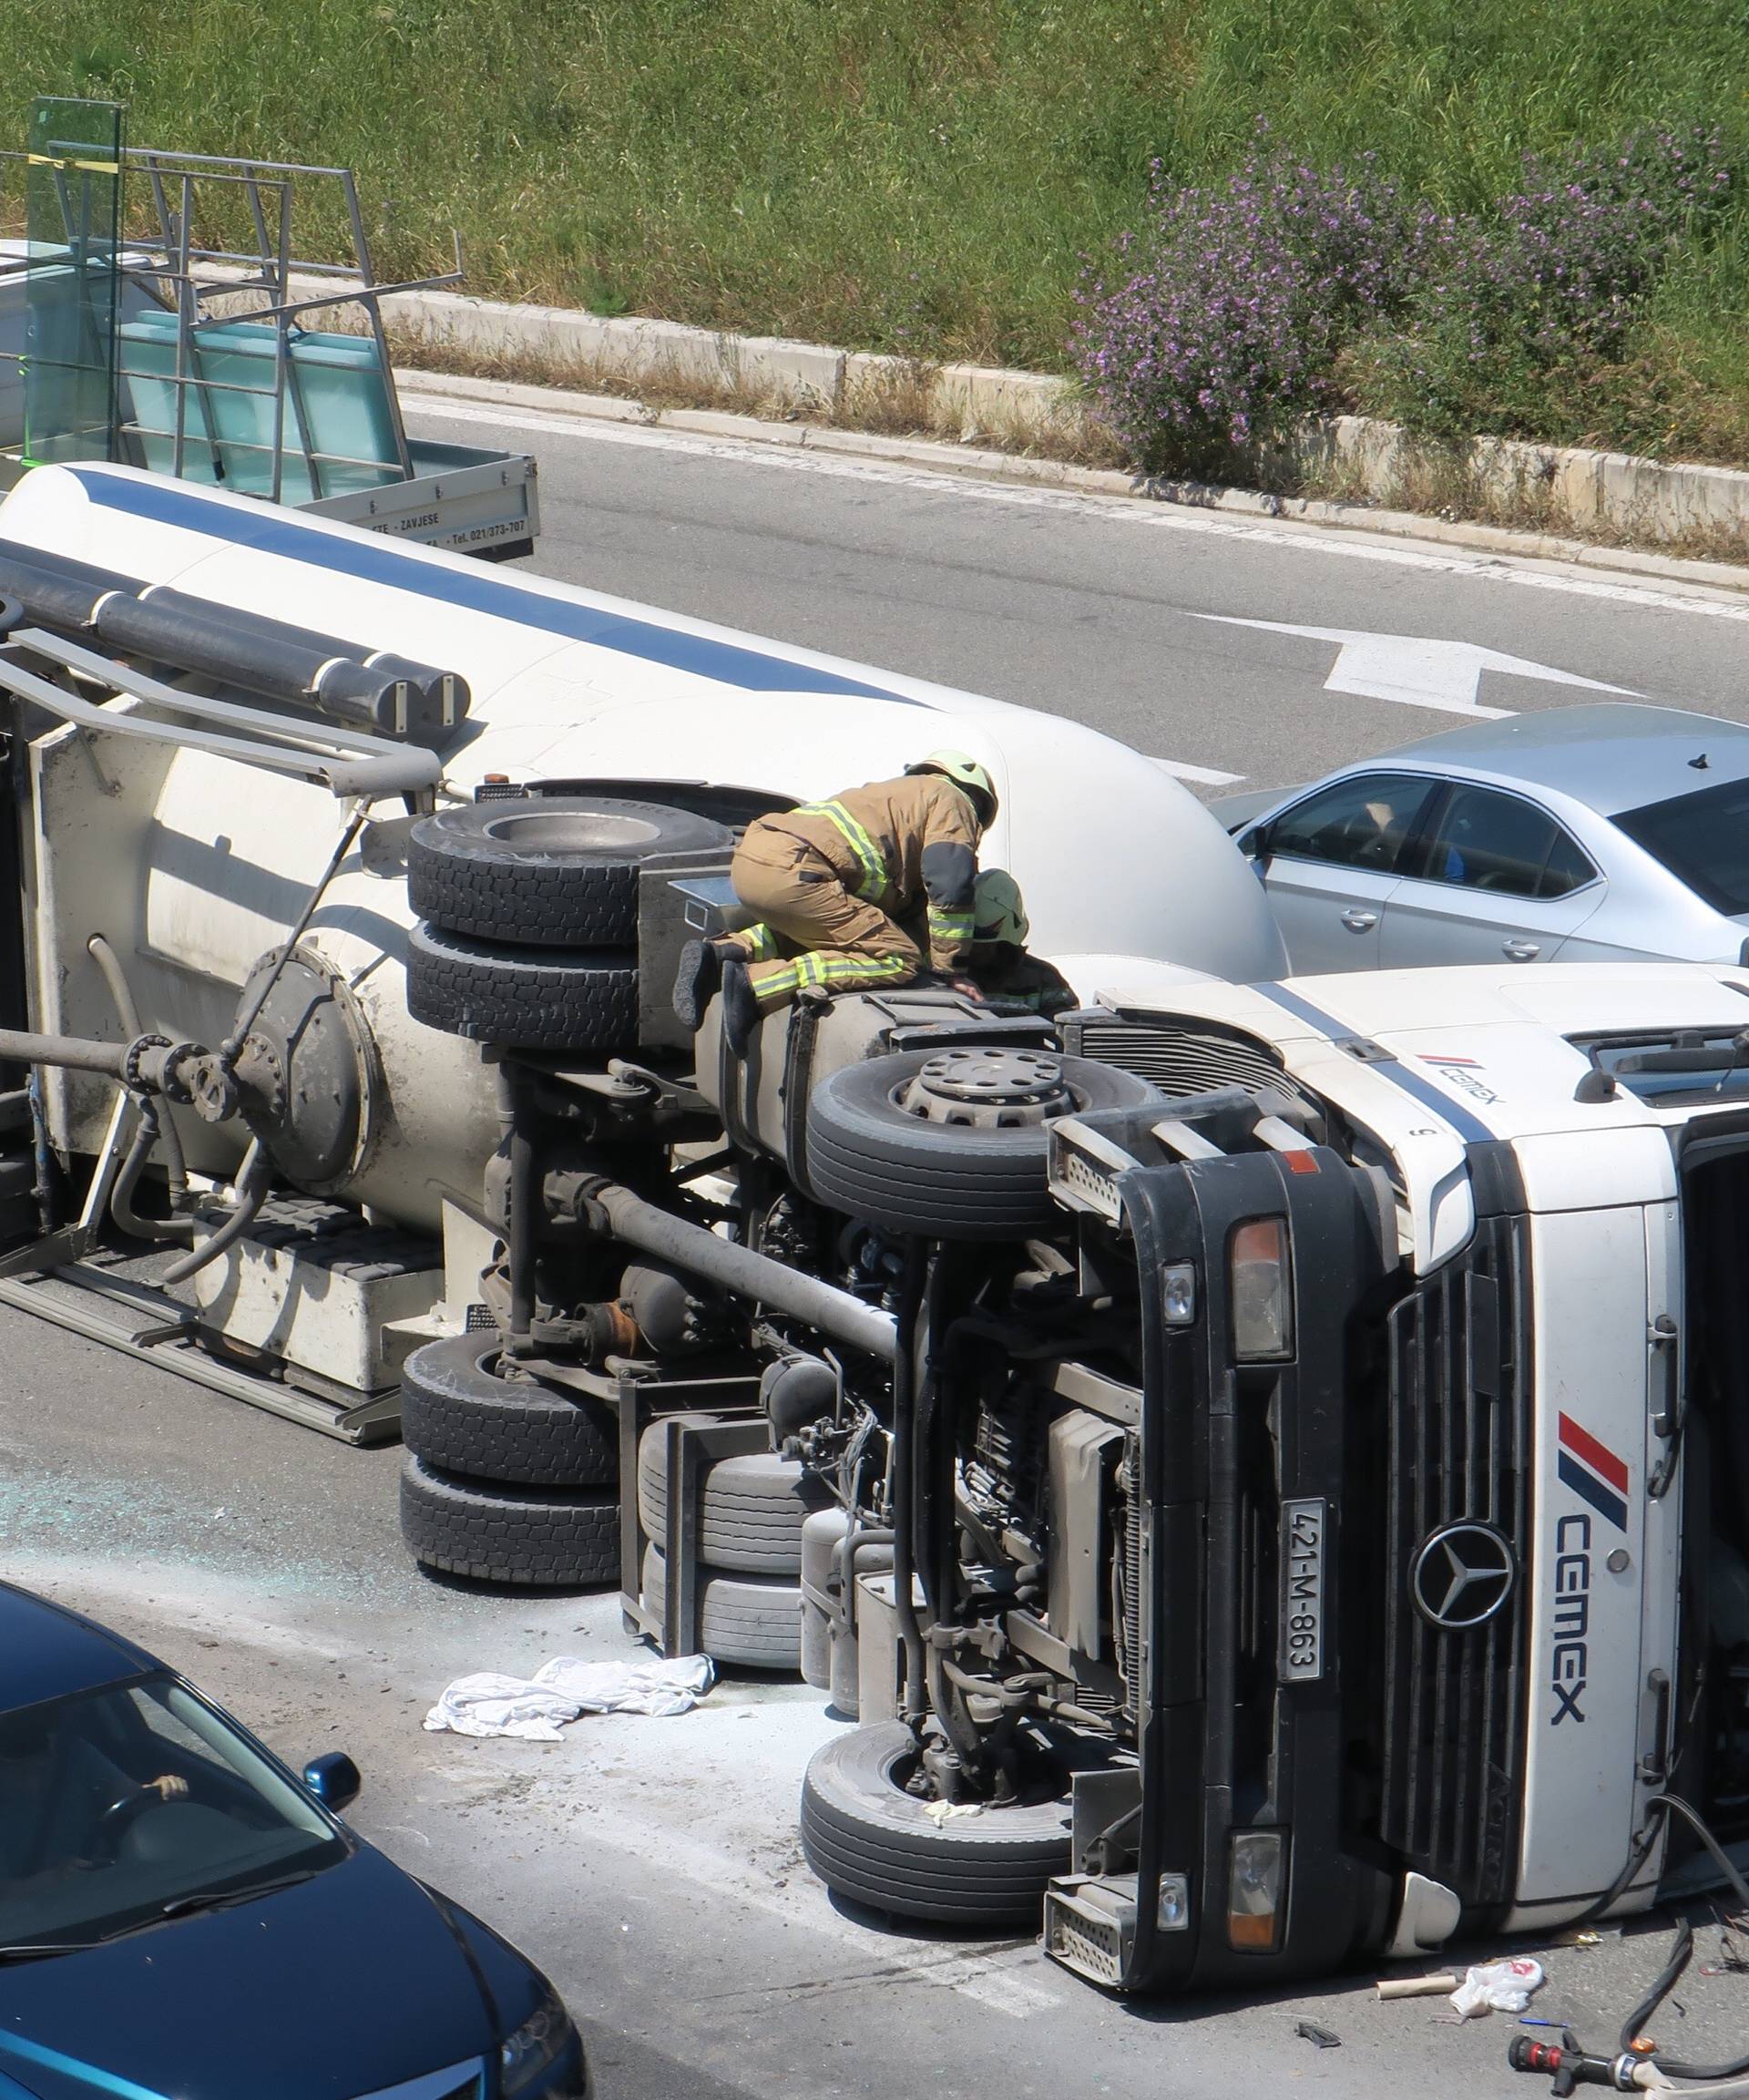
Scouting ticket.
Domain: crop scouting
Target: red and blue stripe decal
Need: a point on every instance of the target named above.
(1593, 1472)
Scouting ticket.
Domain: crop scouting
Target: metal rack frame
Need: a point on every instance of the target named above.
(190, 279)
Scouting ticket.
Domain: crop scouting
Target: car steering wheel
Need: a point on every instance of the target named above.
(118, 1818)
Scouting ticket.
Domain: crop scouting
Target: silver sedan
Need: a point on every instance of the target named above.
(1607, 833)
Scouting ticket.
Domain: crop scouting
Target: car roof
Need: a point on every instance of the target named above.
(50, 1651)
(1610, 755)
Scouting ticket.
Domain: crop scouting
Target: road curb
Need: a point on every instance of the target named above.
(978, 463)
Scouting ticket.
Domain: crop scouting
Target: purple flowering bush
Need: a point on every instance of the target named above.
(1288, 290)
(1226, 311)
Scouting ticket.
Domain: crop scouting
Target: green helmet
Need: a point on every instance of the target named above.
(965, 772)
(998, 911)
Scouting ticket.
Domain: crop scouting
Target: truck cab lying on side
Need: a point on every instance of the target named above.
(1294, 1478)
(1229, 1451)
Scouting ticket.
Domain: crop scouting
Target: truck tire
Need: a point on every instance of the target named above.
(539, 1538)
(545, 871)
(873, 1843)
(461, 1415)
(753, 1620)
(872, 1159)
(528, 999)
(751, 1509)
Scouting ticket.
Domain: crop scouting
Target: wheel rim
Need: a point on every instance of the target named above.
(581, 831)
(987, 1089)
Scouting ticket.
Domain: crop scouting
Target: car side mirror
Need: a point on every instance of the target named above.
(1254, 844)
(333, 1780)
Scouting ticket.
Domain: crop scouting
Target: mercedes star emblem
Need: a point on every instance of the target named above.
(1462, 1576)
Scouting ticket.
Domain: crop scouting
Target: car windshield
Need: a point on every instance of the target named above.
(1702, 839)
(117, 1803)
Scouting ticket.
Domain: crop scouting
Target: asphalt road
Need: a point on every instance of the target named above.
(652, 1866)
(1114, 612)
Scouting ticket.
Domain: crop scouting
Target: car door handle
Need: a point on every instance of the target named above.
(1359, 921)
(1521, 950)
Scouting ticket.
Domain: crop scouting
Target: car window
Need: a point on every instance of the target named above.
(1702, 839)
(117, 1801)
(1358, 823)
(1499, 842)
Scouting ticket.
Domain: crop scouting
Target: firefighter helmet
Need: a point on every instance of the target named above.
(1000, 913)
(965, 772)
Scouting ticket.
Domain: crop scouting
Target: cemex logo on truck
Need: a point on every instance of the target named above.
(1600, 1478)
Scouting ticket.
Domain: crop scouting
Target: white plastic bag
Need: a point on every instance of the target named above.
(1496, 1987)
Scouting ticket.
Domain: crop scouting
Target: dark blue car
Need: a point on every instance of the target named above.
(181, 1918)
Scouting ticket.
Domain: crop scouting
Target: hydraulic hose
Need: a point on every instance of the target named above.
(127, 1013)
(1682, 1948)
(121, 1202)
(904, 1429)
(654, 1231)
(254, 1178)
(525, 1206)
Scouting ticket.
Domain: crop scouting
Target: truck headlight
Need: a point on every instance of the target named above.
(1172, 1903)
(1260, 1283)
(1178, 1294)
(541, 2039)
(1255, 1890)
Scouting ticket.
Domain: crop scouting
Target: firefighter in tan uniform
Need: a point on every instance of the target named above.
(871, 888)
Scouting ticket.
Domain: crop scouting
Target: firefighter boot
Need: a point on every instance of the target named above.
(739, 1006)
(696, 980)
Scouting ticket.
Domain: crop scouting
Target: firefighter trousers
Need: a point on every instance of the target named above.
(812, 930)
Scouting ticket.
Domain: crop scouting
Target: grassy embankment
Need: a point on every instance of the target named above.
(925, 178)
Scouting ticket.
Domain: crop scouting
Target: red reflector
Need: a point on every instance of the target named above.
(1300, 1163)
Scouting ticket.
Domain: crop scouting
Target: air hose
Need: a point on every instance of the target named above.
(1635, 2064)
(1682, 1948)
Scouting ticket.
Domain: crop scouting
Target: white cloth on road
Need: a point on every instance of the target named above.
(490, 1702)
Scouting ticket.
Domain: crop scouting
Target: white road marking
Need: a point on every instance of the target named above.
(1210, 776)
(1523, 571)
(1419, 671)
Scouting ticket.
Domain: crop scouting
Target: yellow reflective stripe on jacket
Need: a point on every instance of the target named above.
(775, 980)
(872, 880)
(759, 942)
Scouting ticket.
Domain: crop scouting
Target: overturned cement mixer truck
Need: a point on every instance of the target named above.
(1153, 1429)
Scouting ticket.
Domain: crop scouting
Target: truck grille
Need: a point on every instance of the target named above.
(1181, 1060)
(1458, 1446)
